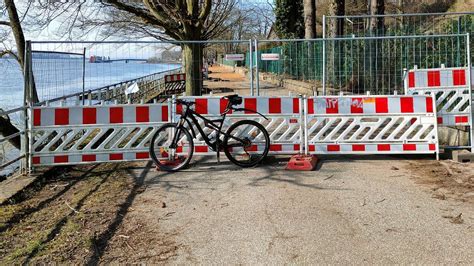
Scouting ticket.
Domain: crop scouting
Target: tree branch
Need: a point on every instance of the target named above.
(144, 15)
(11, 53)
(205, 11)
(5, 23)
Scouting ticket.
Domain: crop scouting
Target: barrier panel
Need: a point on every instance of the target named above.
(371, 125)
(284, 124)
(87, 134)
(175, 83)
(452, 91)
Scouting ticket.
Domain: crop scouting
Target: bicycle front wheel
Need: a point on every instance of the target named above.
(246, 143)
(171, 147)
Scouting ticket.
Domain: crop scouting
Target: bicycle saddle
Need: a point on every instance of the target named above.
(234, 99)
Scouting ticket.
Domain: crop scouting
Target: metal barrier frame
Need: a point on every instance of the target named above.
(230, 117)
(54, 118)
(432, 115)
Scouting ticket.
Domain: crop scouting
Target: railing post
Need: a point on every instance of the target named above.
(83, 75)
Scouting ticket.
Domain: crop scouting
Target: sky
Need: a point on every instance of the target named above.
(113, 50)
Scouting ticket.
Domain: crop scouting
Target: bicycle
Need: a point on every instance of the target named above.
(245, 143)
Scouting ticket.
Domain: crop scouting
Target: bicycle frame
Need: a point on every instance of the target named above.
(215, 124)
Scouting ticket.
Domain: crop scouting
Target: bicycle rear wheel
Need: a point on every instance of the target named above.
(246, 143)
(171, 147)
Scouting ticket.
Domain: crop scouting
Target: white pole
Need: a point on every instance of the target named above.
(257, 81)
(324, 55)
(251, 67)
(469, 73)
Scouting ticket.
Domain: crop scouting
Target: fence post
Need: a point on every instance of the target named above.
(83, 75)
(405, 81)
(324, 55)
(251, 67)
(257, 81)
(469, 70)
(28, 104)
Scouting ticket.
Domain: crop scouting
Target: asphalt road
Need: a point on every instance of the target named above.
(359, 211)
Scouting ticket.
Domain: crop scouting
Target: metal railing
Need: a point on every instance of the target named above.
(10, 156)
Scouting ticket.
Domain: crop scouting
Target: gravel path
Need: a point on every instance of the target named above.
(348, 211)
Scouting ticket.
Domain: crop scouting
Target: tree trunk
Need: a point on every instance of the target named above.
(337, 9)
(377, 7)
(193, 68)
(309, 19)
(376, 28)
(334, 48)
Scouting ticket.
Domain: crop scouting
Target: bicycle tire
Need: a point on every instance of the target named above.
(174, 162)
(230, 152)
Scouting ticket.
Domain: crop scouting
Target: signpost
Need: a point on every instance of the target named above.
(234, 57)
(270, 57)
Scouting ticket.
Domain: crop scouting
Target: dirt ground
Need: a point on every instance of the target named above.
(446, 179)
(77, 215)
(223, 81)
(351, 210)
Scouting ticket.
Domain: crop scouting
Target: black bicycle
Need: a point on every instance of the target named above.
(245, 143)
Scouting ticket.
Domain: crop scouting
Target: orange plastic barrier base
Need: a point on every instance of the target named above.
(178, 160)
(302, 162)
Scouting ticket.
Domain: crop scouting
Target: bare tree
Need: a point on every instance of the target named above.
(13, 22)
(36, 15)
(192, 20)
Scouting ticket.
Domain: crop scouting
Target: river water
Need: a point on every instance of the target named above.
(58, 77)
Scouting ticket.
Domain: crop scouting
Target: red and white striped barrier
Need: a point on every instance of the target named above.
(433, 78)
(451, 88)
(87, 134)
(320, 125)
(264, 105)
(175, 78)
(371, 125)
(285, 116)
(370, 105)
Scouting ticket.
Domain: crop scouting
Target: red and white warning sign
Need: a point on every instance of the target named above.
(270, 57)
(234, 57)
